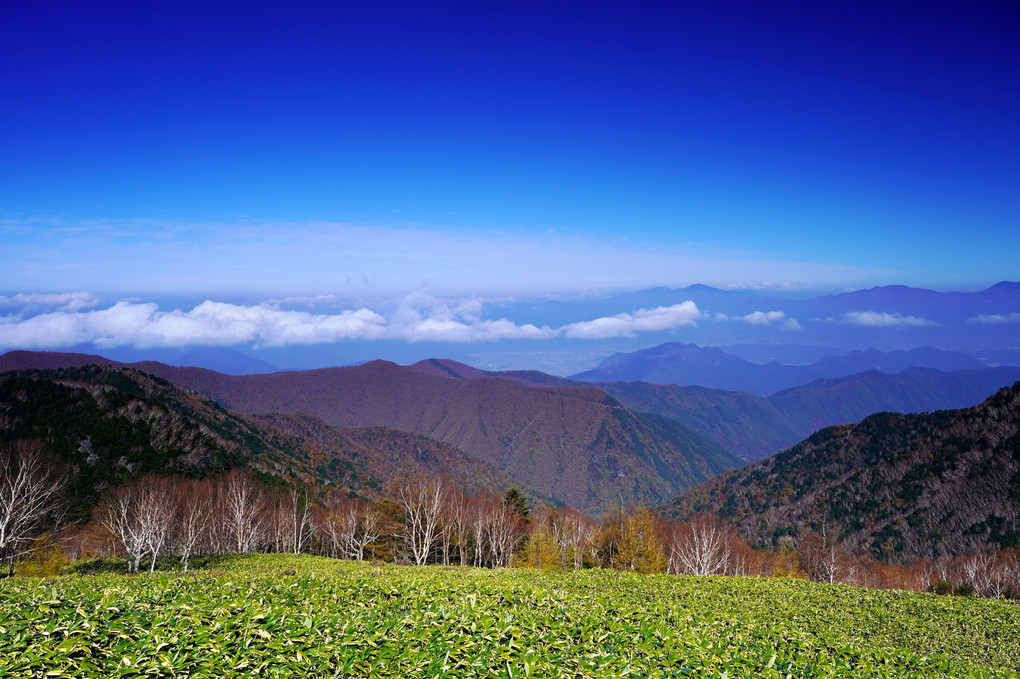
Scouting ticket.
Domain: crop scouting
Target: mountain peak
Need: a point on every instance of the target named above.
(445, 367)
(22, 359)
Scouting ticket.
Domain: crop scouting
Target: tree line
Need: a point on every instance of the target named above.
(422, 518)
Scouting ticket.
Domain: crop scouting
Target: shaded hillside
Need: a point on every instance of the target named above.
(364, 459)
(897, 486)
(851, 399)
(109, 425)
(49, 360)
(748, 426)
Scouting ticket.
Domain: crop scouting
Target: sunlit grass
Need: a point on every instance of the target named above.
(247, 614)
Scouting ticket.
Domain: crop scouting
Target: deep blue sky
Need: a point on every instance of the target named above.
(506, 148)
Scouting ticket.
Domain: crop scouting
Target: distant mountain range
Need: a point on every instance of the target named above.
(748, 426)
(571, 444)
(689, 364)
(754, 427)
(791, 327)
(898, 486)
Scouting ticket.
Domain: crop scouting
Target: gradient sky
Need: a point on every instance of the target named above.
(332, 148)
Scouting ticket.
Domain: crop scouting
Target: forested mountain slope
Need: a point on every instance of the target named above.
(898, 486)
(106, 425)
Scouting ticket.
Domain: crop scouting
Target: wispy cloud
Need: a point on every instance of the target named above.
(306, 301)
(418, 317)
(995, 319)
(883, 319)
(352, 260)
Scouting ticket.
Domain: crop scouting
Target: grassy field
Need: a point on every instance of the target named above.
(243, 615)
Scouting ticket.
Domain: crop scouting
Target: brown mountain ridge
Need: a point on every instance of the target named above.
(572, 444)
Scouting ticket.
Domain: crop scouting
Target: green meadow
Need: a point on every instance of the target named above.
(304, 616)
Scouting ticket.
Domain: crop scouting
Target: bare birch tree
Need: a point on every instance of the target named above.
(118, 516)
(346, 527)
(29, 491)
(457, 520)
(700, 547)
(289, 522)
(194, 519)
(335, 526)
(420, 498)
(504, 531)
(141, 515)
(242, 504)
(578, 536)
(824, 558)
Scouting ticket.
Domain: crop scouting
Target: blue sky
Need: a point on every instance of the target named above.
(246, 151)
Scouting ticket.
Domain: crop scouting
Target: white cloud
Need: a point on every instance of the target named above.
(144, 325)
(995, 319)
(418, 317)
(762, 318)
(883, 319)
(423, 317)
(642, 320)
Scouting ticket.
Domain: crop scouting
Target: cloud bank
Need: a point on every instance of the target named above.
(418, 317)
